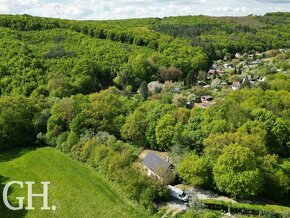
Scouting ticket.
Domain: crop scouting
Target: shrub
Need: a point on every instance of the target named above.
(272, 210)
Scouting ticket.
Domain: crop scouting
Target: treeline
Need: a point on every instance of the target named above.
(217, 36)
(191, 31)
(124, 33)
(28, 23)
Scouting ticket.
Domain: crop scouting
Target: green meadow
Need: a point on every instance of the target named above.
(75, 189)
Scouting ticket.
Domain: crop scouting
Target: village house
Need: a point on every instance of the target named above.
(236, 86)
(155, 86)
(220, 72)
(262, 79)
(238, 55)
(229, 66)
(158, 167)
(211, 71)
(175, 90)
(206, 98)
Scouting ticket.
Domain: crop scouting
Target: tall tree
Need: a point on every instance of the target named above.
(191, 78)
(236, 172)
(144, 90)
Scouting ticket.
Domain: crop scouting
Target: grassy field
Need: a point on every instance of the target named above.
(75, 189)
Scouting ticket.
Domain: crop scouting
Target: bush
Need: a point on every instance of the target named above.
(241, 208)
(16, 122)
(179, 100)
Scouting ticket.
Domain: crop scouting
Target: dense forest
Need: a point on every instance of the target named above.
(87, 56)
(82, 87)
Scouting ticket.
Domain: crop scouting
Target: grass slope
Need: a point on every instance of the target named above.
(75, 189)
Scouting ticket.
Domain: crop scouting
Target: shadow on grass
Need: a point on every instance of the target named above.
(4, 211)
(12, 153)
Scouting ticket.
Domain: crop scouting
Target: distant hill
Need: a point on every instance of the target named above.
(87, 56)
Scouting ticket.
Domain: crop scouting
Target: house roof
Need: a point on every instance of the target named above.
(236, 85)
(157, 164)
(211, 71)
(220, 71)
(207, 97)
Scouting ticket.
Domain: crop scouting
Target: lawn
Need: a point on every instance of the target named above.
(76, 190)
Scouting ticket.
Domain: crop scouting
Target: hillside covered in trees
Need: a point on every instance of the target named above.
(87, 56)
(101, 91)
